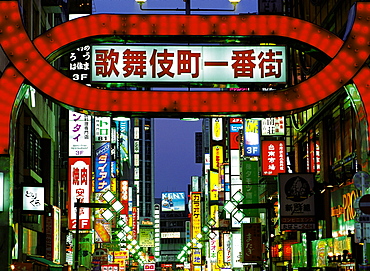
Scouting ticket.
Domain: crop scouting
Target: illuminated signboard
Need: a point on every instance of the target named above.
(79, 188)
(102, 166)
(251, 137)
(1, 191)
(79, 134)
(102, 129)
(297, 202)
(252, 242)
(173, 201)
(217, 129)
(122, 63)
(33, 198)
(273, 126)
(273, 157)
(196, 215)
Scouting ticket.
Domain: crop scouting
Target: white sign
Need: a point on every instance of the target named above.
(123, 63)
(1, 191)
(170, 235)
(33, 198)
(79, 134)
(102, 129)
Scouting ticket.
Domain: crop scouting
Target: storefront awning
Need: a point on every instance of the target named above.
(52, 266)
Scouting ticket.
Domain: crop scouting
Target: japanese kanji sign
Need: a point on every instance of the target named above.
(297, 204)
(79, 188)
(188, 63)
(252, 242)
(79, 134)
(273, 157)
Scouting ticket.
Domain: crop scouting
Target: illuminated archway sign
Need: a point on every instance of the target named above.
(28, 58)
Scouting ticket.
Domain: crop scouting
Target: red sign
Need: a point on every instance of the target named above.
(79, 188)
(273, 157)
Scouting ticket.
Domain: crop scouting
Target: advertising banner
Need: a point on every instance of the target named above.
(79, 188)
(173, 201)
(124, 63)
(146, 237)
(297, 202)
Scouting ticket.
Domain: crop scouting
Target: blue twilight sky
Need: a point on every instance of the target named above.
(174, 139)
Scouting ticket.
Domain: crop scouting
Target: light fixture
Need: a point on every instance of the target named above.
(239, 215)
(140, 2)
(120, 235)
(229, 206)
(108, 196)
(108, 215)
(117, 206)
(234, 2)
(211, 222)
(121, 223)
(238, 196)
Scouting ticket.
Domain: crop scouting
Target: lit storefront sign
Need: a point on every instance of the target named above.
(79, 134)
(33, 198)
(170, 235)
(250, 177)
(196, 216)
(252, 242)
(146, 237)
(217, 156)
(251, 137)
(297, 202)
(343, 210)
(79, 64)
(273, 126)
(124, 198)
(1, 191)
(102, 166)
(217, 129)
(188, 63)
(53, 235)
(102, 129)
(236, 124)
(79, 188)
(273, 157)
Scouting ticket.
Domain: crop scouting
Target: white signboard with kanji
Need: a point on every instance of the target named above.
(79, 134)
(121, 63)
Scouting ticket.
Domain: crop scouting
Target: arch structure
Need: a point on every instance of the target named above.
(29, 61)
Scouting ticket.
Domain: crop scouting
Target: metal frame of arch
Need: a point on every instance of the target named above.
(28, 61)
